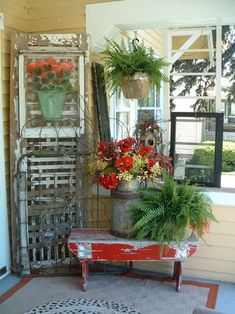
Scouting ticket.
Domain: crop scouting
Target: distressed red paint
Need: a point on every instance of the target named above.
(101, 245)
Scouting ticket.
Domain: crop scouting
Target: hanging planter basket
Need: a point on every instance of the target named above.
(52, 104)
(136, 87)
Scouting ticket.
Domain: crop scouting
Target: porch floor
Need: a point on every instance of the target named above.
(225, 299)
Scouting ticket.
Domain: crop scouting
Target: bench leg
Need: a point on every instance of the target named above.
(177, 274)
(85, 274)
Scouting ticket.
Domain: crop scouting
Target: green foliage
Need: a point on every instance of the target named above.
(164, 214)
(204, 155)
(124, 60)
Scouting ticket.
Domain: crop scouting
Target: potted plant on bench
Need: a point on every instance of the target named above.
(172, 212)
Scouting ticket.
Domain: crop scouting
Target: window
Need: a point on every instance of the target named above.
(125, 113)
(196, 147)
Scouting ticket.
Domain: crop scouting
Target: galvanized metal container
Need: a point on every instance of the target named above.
(122, 220)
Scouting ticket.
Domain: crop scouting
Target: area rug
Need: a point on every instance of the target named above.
(139, 294)
(82, 306)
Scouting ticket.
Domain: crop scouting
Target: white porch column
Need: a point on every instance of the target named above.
(4, 227)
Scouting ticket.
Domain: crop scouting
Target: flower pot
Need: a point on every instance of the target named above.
(136, 87)
(52, 104)
(122, 221)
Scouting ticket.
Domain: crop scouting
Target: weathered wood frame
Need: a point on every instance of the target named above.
(23, 44)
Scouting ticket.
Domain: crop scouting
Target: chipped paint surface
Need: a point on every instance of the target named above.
(84, 250)
(101, 245)
(59, 39)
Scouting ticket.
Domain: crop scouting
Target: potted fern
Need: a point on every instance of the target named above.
(172, 212)
(133, 67)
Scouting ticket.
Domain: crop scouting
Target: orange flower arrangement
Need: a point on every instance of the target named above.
(126, 160)
(50, 75)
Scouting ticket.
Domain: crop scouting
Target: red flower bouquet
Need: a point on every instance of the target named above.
(126, 160)
(51, 75)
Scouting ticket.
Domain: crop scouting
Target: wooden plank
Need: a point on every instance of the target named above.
(5, 73)
(6, 60)
(47, 183)
(55, 9)
(210, 265)
(224, 213)
(16, 23)
(5, 87)
(6, 46)
(23, 3)
(5, 114)
(39, 3)
(72, 20)
(51, 132)
(223, 228)
(218, 240)
(14, 8)
(219, 253)
(52, 159)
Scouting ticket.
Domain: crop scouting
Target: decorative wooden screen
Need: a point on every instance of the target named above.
(49, 182)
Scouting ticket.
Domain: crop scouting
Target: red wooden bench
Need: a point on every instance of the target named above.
(100, 245)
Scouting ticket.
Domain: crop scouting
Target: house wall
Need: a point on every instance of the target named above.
(15, 13)
(215, 257)
(215, 260)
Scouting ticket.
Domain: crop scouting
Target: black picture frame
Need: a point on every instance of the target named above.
(215, 181)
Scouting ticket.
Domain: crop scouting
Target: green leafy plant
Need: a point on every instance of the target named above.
(204, 155)
(165, 214)
(125, 59)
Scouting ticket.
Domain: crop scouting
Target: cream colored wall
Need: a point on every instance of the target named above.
(58, 16)
(15, 19)
(153, 38)
(215, 258)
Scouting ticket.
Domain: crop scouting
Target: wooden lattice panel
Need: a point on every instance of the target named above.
(48, 157)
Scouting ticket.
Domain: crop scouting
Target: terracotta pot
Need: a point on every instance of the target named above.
(136, 87)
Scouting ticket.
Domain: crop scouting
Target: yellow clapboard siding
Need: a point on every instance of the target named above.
(16, 22)
(213, 252)
(64, 31)
(152, 39)
(6, 46)
(210, 265)
(5, 87)
(21, 2)
(196, 267)
(6, 128)
(6, 142)
(13, 8)
(52, 10)
(6, 59)
(225, 213)
(70, 20)
(223, 228)
(40, 3)
(218, 240)
(7, 32)
(5, 101)
(5, 73)
(5, 113)
(209, 275)
(7, 155)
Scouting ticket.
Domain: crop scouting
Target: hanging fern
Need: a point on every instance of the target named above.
(164, 214)
(125, 59)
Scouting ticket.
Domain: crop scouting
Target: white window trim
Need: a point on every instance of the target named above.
(4, 226)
